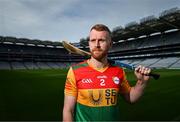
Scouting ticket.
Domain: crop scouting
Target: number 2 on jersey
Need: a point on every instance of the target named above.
(102, 82)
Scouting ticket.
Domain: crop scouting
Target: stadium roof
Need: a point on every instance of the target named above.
(25, 41)
(167, 20)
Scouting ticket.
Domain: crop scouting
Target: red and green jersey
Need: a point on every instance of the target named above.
(96, 90)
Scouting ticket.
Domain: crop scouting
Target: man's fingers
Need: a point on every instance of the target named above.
(148, 71)
(143, 70)
(137, 69)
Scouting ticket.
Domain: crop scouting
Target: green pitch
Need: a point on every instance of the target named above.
(38, 95)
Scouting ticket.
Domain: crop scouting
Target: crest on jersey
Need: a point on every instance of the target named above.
(116, 80)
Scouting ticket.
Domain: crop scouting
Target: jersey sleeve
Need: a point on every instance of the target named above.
(70, 85)
(124, 86)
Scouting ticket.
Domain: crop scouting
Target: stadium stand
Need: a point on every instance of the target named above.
(42, 65)
(153, 42)
(150, 62)
(165, 62)
(4, 65)
(175, 65)
(17, 65)
(30, 65)
(53, 65)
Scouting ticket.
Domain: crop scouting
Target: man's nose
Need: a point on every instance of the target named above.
(97, 44)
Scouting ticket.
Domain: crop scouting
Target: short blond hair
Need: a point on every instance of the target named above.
(101, 27)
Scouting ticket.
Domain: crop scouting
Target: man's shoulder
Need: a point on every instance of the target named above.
(116, 67)
(79, 65)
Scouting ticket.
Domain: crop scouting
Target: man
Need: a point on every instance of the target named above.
(92, 86)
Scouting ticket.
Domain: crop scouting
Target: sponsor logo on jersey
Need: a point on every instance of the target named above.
(101, 76)
(116, 80)
(105, 97)
(111, 96)
(96, 98)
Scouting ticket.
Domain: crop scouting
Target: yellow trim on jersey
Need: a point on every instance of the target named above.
(70, 86)
(125, 87)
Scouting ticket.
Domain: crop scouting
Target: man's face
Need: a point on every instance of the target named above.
(99, 44)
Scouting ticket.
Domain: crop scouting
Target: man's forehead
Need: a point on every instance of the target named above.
(98, 34)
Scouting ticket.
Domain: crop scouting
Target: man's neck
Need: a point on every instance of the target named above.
(98, 64)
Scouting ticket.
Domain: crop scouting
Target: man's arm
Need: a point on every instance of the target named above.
(137, 91)
(68, 110)
(69, 96)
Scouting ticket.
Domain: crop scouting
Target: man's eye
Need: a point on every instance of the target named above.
(92, 40)
(102, 40)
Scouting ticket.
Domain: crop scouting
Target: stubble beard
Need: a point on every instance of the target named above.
(98, 54)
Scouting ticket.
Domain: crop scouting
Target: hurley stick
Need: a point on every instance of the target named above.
(75, 50)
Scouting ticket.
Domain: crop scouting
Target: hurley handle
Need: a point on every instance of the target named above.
(155, 75)
(131, 67)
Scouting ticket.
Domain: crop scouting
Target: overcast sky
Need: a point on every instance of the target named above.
(71, 20)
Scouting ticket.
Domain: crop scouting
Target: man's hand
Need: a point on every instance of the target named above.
(136, 92)
(142, 73)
